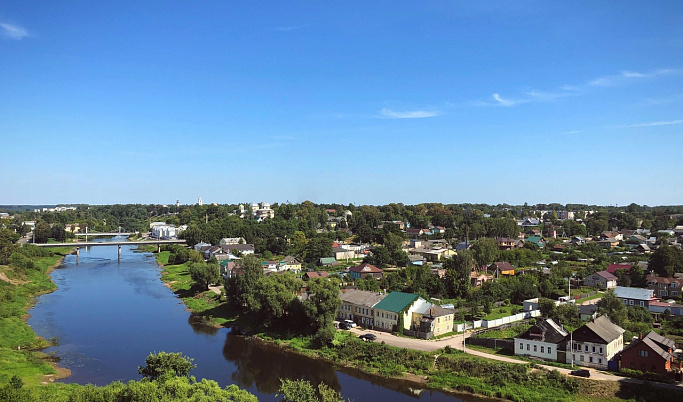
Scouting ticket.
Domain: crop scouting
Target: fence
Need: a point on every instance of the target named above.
(589, 294)
(504, 344)
(509, 319)
(418, 334)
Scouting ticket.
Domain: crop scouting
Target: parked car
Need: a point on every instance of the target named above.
(351, 323)
(368, 337)
(581, 373)
(344, 325)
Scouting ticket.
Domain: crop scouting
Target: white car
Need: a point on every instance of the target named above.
(351, 323)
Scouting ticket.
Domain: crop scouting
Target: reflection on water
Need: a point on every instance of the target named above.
(263, 365)
(199, 326)
(109, 315)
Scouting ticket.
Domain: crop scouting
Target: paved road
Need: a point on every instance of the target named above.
(456, 343)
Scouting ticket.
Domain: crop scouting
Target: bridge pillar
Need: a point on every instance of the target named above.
(78, 254)
(119, 252)
(158, 248)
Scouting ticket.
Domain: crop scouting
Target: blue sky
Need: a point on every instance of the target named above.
(348, 102)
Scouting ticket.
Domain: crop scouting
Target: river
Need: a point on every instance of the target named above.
(109, 315)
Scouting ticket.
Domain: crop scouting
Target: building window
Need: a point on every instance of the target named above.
(593, 349)
(585, 347)
(642, 353)
(527, 346)
(600, 349)
(630, 302)
(642, 303)
(534, 348)
(550, 349)
(590, 359)
(633, 365)
(542, 349)
(581, 357)
(654, 368)
(600, 361)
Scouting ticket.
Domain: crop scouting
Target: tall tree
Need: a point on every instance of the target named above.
(42, 232)
(241, 290)
(666, 261)
(611, 306)
(458, 269)
(204, 274)
(321, 308)
(485, 251)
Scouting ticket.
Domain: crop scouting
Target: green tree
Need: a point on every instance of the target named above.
(204, 274)
(166, 364)
(639, 314)
(485, 251)
(547, 307)
(458, 269)
(241, 290)
(276, 294)
(611, 306)
(638, 277)
(58, 232)
(666, 261)
(42, 232)
(321, 308)
(303, 391)
(192, 235)
(7, 245)
(317, 248)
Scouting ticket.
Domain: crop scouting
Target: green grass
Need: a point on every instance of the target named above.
(206, 304)
(28, 365)
(18, 342)
(506, 311)
(504, 333)
(585, 299)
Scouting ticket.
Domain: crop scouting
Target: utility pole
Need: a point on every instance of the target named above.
(464, 330)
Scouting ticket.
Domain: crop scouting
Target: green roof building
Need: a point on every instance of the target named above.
(389, 310)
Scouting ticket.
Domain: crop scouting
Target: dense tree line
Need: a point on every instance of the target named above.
(271, 301)
(166, 378)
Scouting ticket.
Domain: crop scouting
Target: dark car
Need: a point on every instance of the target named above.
(368, 337)
(581, 373)
(344, 325)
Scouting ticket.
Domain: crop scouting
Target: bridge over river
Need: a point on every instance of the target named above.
(78, 245)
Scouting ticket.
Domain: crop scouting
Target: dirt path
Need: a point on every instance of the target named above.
(4, 277)
(216, 289)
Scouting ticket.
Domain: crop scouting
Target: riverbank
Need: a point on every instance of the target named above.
(205, 304)
(20, 348)
(445, 370)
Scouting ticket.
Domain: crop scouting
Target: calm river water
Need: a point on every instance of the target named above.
(109, 315)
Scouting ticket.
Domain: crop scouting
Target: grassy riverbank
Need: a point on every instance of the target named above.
(20, 283)
(207, 304)
(446, 370)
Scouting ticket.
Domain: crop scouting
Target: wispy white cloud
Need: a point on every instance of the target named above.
(626, 77)
(655, 123)
(292, 28)
(13, 31)
(623, 78)
(413, 114)
(500, 101)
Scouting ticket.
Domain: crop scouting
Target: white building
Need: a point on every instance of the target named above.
(595, 343)
(542, 340)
